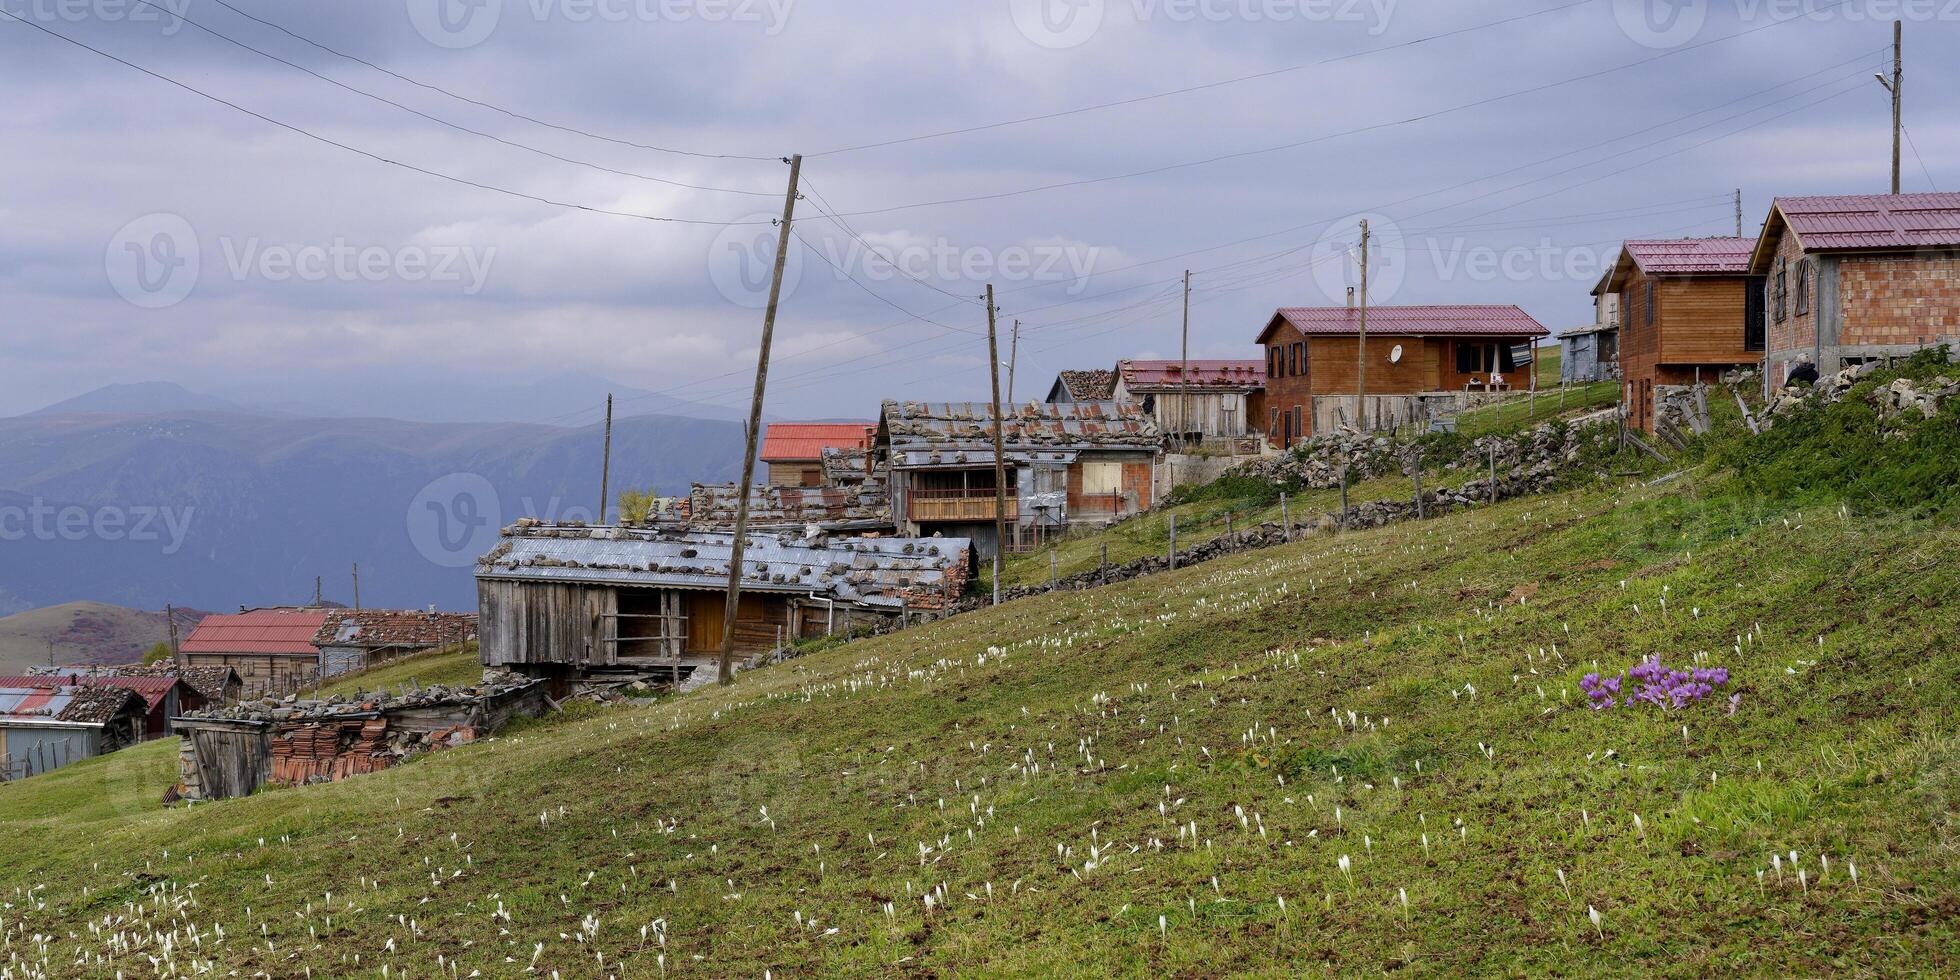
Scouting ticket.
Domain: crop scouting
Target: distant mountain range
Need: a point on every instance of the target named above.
(130, 496)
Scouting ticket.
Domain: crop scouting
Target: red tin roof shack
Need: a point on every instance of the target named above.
(1690, 311)
(271, 649)
(793, 451)
(1198, 400)
(1311, 354)
(1859, 278)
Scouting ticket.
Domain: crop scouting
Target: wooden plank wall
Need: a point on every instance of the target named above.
(1334, 366)
(261, 673)
(1701, 321)
(542, 622)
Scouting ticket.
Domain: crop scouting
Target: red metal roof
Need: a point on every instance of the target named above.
(1689, 256)
(1416, 321)
(1874, 220)
(258, 631)
(1205, 374)
(783, 441)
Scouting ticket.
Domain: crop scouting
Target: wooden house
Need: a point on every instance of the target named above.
(793, 451)
(50, 725)
(1691, 311)
(563, 602)
(1846, 280)
(1419, 358)
(356, 639)
(272, 649)
(861, 507)
(1066, 463)
(1196, 401)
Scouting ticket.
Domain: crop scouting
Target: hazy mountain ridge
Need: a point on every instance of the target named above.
(216, 509)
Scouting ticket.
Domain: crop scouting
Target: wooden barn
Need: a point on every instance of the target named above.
(793, 451)
(1420, 360)
(271, 649)
(1067, 464)
(356, 639)
(563, 602)
(1691, 310)
(1199, 401)
(50, 725)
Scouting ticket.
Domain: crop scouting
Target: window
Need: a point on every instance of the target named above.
(1506, 361)
(1469, 358)
(1299, 358)
(1272, 421)
(1102, 478)
(1754, 329)
(1649, 315)
(1803, 286)
(1779, 296)
(1299, 430)
(1272, 362)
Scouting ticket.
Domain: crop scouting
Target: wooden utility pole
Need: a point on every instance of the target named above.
(1013, 358)
(605, 464)
(726, 674)
(1184, 363)
(170, 621)
(316, 590)
(1897, 85)
(1000, 452)
(1361, 345)
(357, 585)
(1738, 212)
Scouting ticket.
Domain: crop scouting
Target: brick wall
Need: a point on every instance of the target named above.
(1794, 332)
(1900, 299)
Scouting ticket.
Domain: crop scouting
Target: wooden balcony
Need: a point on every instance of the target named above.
(958, 505)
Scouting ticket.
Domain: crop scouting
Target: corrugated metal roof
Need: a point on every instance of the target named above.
(209, 680)
(1415, 321)
(1874, 220)
(1248, 375)
(151, 689)
(783, 441)
(1033, 427)
(873, 571)
(289, 631)
(67, 704)
(1684, 256)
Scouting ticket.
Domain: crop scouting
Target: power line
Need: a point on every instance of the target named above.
(874, 294)
(1201, 87)
(371, 155)
(1916, 156)
(1372, 127)
(487, 105)
(445, 122)
(829, 212)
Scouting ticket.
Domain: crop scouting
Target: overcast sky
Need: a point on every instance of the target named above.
(150, 233)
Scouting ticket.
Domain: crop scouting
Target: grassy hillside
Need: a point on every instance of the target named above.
(84, 632)
(1352, 754)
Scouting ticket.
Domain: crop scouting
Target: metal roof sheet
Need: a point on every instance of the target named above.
(284, 631)
(873, 571)
(1238, 375)
(69, 704)
(782, 441)
(1032, 427)
(1684, 256)
(1867, 221)
(1414, 321)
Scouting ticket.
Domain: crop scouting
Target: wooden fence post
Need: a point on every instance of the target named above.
(1418, 475)
(1285, 521)
(1493, 469)
(1173, 554)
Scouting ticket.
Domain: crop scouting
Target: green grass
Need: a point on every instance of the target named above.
(962, 755)
(453, 666)
(1522, 409)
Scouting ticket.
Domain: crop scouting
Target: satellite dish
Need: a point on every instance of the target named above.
(1395, 356)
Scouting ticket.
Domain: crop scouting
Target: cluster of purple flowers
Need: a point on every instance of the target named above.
(1652, 683)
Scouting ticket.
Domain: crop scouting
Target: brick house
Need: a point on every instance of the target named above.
(1419, 358)
(1691, 311)
(1852, 279)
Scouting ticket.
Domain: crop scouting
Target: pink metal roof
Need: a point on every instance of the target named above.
(258, 631)
(1417, 321)
(1874, 220)
(1203, 373)
(1688, 256)
(808, 440)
